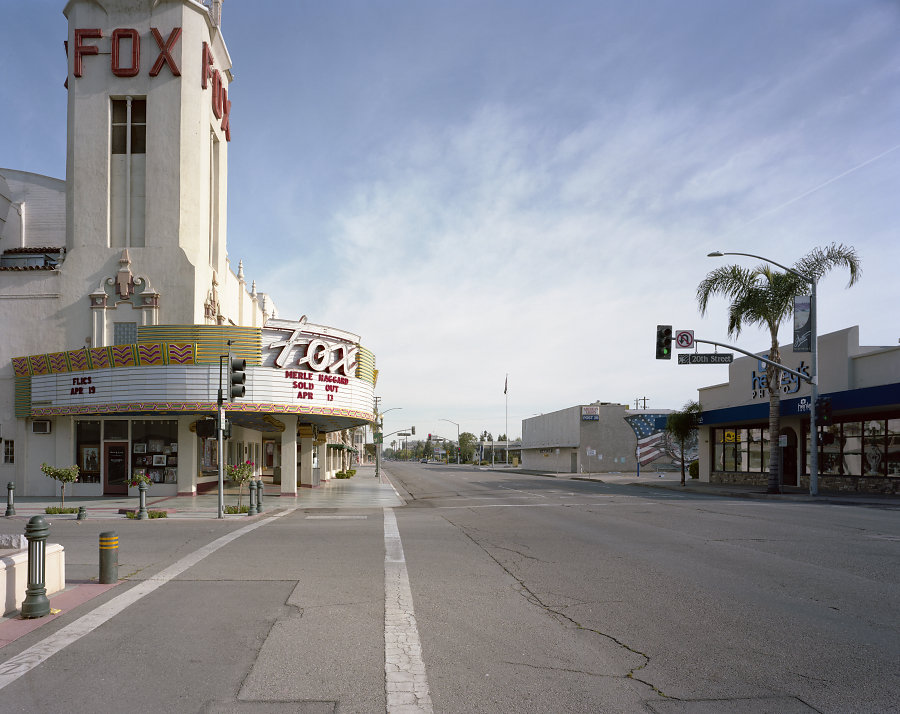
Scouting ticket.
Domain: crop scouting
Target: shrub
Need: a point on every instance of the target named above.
(233, 510)
(56, 510)
(694, 469)
(151, 514)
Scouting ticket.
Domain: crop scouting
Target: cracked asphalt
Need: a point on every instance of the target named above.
(530, 595)
(539, 595)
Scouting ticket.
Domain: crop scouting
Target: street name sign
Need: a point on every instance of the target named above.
(706, 358)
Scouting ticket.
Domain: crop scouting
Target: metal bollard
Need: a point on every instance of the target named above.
(36, 603)
(259, 496)
(252, 510)
(10, 499)
(82, 513)
(109, 557)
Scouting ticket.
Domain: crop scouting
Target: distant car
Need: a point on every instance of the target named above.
(424, 461)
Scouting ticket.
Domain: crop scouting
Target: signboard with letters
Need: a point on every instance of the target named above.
(706, 358)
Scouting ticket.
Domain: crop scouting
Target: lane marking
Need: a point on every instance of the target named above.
(405, 681)
(336, 518)
(28, 659)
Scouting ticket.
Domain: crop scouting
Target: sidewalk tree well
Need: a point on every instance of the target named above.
(64, 476)
(682, 426)
(241, 473)
(764, 297)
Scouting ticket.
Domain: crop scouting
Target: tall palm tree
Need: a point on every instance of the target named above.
(765, 297)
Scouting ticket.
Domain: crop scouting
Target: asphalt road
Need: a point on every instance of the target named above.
(530, 595)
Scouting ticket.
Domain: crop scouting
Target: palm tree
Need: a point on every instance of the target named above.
(682, 425)
(765, 297)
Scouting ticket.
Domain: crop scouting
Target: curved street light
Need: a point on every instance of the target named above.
(814, 368)
(458, 445)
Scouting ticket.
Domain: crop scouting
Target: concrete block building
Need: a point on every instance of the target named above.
(596, 438)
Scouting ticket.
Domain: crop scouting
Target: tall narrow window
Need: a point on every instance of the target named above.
(213, 200)
(9, 452)
(127, 172)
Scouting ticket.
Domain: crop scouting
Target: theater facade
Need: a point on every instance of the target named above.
(119, 301)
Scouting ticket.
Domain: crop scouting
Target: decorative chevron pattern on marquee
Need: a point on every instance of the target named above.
(141, 355)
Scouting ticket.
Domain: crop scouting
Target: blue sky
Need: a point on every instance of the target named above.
(528, 188)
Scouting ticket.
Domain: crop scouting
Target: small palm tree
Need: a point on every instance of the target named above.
(681, 425)
(765, 297)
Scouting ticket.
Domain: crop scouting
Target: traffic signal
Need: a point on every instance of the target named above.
(429, 437)
(206, 428)
(824, 416)
(663, 342)
(413, 430)
(236, 378)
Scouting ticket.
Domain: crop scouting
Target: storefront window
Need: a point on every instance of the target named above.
(754, 450)
(852, 448)
(874, 448)
(892, 452)
(87, 450)
(115, 430)
(154, 446)
(829, 450)
(730, 451)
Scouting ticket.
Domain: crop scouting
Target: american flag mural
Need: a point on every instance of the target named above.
(650, 431)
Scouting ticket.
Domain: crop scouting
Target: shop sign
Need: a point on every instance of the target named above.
(590, 413)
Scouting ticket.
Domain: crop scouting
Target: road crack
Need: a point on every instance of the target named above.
(560, 616)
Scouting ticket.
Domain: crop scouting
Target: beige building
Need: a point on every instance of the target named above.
(118, 299)
(596, 438)
(859, 451)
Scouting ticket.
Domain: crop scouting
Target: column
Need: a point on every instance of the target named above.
(306, 462)
(323, 458)
(289, 456)
(188, 456)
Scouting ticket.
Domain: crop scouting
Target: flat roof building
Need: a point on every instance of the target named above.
(858, 451)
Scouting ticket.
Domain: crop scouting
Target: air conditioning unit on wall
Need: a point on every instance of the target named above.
(40, 426)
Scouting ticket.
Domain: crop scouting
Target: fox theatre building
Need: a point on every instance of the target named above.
(119, 300)
(859, 446)
(145, 408)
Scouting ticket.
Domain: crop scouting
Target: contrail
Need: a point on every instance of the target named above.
(813, 190)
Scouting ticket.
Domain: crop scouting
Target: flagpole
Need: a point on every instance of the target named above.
(506, 396)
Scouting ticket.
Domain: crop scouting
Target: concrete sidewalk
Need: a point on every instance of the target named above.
(360, 491)
(671, 481)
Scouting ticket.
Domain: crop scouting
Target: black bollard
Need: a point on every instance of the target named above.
(10, 499)
(36, 603)
(259, 496)
(252, 510)
(109, 557)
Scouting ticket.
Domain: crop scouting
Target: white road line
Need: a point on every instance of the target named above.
(405, 681)
(27, 660)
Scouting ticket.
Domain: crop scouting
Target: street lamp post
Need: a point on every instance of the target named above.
(379, 419)
(458, 445)
(814, 368)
